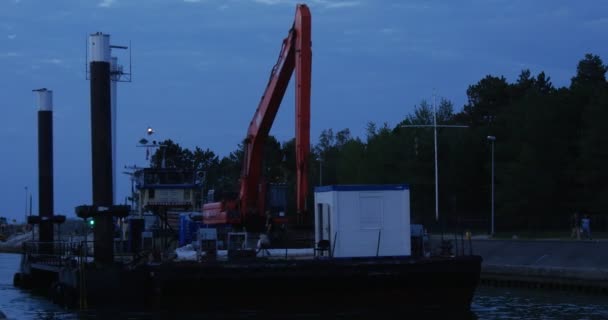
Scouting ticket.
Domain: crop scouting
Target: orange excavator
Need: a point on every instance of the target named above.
(249, 210)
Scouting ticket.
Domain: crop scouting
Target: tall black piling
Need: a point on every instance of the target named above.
(101, 143)
(45, 166)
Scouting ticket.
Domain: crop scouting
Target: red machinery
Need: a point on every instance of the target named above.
(295, 54)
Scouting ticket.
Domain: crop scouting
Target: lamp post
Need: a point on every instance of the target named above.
(203, 182)
(320, 170)
(492, 139)
(26, 204)
(435, 126)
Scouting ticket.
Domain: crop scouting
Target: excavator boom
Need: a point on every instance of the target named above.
(296, 54)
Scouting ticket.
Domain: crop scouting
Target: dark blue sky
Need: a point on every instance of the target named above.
(200, 68)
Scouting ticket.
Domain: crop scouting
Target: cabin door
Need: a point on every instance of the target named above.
(323, 221)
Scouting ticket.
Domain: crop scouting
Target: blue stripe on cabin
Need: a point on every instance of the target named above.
(363, 187)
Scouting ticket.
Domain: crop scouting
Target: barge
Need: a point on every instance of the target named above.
(444, 283)
(439, 283)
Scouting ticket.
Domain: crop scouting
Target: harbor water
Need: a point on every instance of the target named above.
(489, 303)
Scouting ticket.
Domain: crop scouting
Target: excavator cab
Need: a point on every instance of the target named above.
(276, 201)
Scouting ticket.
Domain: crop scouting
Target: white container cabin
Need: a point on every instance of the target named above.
(363, 220)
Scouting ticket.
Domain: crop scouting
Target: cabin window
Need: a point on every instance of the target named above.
(186, 194)
(370, 209)
(151, 193)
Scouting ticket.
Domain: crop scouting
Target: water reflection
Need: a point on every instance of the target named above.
(506, 303)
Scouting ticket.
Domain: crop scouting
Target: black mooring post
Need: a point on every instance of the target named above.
(45, 178)
(101, 143)
(46, 217)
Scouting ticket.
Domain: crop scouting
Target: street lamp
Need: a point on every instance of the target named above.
(492, 139)
(143, 142)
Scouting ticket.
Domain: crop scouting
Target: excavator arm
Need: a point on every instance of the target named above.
(296, 54)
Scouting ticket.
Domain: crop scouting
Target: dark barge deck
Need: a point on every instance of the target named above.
(438, 283)
(443, 282)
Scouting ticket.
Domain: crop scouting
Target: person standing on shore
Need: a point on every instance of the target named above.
(586, 226)
(576, 226)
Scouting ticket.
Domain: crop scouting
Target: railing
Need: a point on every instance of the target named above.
(453, 244)
(60, 253)
(55, 254)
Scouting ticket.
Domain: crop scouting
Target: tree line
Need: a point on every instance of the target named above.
(550, 154)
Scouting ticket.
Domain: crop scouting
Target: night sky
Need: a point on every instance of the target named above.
(201, 66)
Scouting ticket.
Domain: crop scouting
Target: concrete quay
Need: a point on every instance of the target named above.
(578, 265)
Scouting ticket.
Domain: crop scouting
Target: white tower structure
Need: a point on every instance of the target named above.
(100, 49)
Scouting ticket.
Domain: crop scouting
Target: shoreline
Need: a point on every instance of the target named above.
(10, 249)
(585, 280)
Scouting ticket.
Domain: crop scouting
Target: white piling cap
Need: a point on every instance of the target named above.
(45, 99)
(99, 47)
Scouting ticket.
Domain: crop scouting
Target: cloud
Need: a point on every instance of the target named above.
(12, 36)
(173, 53)
(352, 32)
(561, 12)
(106, 3)
(6, 26)
(597, 23)
(412, 6)
(53, 61)
(9, 54)
(274, 2)
(338, 4)
(446, 54)
(328, 4)
(203, 65)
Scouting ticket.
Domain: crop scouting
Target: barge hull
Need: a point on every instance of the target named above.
(438, 283)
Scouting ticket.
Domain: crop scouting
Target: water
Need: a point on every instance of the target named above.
(19, 304)
(489, 304)
(505, 303)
